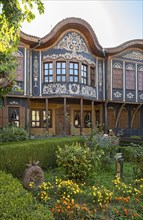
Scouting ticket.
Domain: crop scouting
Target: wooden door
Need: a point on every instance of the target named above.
(59, 123)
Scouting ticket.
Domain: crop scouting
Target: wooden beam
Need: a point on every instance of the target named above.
(119, 113)
(92, 115)
(134, 114)
(47, 124)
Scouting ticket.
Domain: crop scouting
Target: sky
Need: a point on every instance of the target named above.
(113, 21)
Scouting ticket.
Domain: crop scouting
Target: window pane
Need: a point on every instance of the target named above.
(71, 78)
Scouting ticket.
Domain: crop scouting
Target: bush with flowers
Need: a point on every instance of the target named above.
(71, 201)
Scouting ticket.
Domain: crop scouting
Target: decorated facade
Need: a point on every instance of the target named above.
(68, 84)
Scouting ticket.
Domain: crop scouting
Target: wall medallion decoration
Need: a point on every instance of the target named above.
(117, 94)
(130, 95)
(134, 55)
(73, 42)
(74, 89)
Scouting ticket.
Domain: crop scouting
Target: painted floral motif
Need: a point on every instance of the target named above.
(141, 96)
(56, 88)
(72, 89)
(68, 56)
(134, 55)
(88, 91)
(130, 95)
(117, 94)
(73, 42)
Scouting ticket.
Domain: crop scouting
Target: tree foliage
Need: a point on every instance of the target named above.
(12, 14)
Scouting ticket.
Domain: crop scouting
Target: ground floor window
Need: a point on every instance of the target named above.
(77, 119)
(87, 119)
(13, 116)
(38, 118)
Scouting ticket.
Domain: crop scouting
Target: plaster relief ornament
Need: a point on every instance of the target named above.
(130, 95)
(134, 55)
(73, 42)
(117, 66)
(141, 96)
(117, 94)
(35, 70)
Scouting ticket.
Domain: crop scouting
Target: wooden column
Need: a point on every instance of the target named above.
(65, 112)
(81, 116)
(92, 116)
(28, 122)
(105, 118)
(47, 124)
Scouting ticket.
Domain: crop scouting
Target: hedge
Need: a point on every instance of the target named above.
(17, 203)
(15, 156)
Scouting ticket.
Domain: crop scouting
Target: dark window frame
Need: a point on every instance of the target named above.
(74, 72)
(48, 77)
(14, 116)
(84, 73)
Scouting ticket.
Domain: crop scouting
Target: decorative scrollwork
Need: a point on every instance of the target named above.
(134, 55)
(74, 89)
(88, 91)
(56, 88)
(130, 95)
(117, 94)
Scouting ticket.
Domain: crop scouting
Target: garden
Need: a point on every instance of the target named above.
(81, 181)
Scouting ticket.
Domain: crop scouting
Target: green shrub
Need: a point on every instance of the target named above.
(78, 161)
(14, 156)
(107, 144)
(12, 133)
(134, 155)
(17, 203)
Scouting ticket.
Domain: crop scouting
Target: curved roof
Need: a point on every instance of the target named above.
(69, 23)
(137, 43)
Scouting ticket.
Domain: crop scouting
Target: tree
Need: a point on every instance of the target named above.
(12, 14)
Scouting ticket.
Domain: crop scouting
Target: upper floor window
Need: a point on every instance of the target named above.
(13, 116)
(140, 78)
(92, 76)
(61, 71)
(84, 74)
(48, 72)
(117, 76)
(74, 72)
(130, 77)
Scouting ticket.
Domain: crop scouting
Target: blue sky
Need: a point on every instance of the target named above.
(113, 21)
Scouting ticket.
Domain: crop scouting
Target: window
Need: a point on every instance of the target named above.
(97, 115)
(117, 78)
(35, 118)
(87, 119)
(39, 119)
(49, 119)
(74, 71)
(140, 80)
(48, 72)
(77, 119)
(61, 71)
(130, 79)
(13, 116)
(92, 76)
(84, 74)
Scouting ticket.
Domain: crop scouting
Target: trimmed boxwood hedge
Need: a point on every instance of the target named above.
(17, 203)
(15, 156)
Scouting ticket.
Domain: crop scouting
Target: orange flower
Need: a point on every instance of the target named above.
(126, 211)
